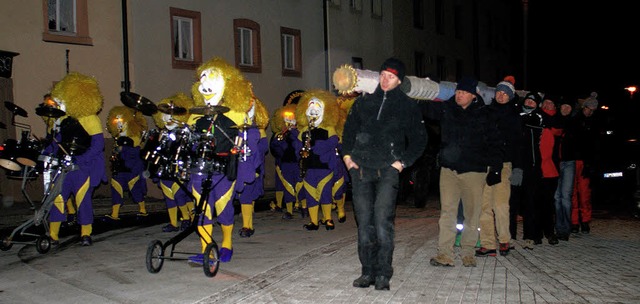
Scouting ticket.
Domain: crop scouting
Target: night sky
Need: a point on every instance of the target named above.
(587, 47)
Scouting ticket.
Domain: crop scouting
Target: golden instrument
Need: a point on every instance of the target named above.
(306, 147)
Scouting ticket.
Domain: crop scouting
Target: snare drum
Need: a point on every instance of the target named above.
(8, 155)
(28, 152)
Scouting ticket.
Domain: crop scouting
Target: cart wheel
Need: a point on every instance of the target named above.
(155, 256)
(5, 244)
(43, 244)
(211, 259)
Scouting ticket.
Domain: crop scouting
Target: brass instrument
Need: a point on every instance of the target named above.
(117, 163)
(287, 126)
(306, 147)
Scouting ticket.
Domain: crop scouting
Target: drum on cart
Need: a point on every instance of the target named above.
(170, 155)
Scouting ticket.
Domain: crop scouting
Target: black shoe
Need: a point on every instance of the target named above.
(342, 219)
(184, 225)
(382, 283)
(364, 281)
(310, 226)
(504, 249)
(54, 243)
(483, 252)
(287, 216)
(170, 228)
(86, 241)
(575, 228)
(537, 241)
(246, 232)
(328, 224)
(553, 240)
(563, 237)
(585, 228)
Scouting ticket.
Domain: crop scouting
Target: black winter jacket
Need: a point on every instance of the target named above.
(382, 128)
(470, 141)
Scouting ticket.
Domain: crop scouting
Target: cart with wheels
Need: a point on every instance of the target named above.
(54, 173)
(157, 250)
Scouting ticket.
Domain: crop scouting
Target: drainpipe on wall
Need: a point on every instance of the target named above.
(126, 85)
(325, 15)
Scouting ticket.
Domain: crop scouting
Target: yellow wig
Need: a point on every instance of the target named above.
(179, 100)
(135, 121)
(331, 114)
(277, 120)
(237, 92)
(80, 95)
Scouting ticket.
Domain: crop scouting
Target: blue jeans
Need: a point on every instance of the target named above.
(563, 197)
(374, 203)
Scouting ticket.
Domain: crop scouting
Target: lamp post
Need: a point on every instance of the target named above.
(631, 89)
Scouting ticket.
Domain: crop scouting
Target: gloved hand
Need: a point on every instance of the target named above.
(493, 177)
(516, 177)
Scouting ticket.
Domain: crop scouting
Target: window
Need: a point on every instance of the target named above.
(66, 21)
(457, 21)
(186, 40)
(247, 45)
(357, 63)
(459, 68)
(376, 8)
(355, 5)
(418, 14)
(291, 52)
(441, 69)
(439, 16)
(420, 69)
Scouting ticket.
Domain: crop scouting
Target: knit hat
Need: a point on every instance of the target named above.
(507, 86)
(533, 96)
(394, 66)
(590, 102)
(468, 84)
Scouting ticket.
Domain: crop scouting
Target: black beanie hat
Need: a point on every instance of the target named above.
(469, 84)
(533, 96)
(394, 66)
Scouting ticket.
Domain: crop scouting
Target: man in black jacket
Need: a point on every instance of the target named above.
(469, 149)
(383, 134)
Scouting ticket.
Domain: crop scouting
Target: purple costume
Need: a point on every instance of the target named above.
(287, 167)
(127, 174)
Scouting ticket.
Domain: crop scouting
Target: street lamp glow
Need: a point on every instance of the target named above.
(631, 90)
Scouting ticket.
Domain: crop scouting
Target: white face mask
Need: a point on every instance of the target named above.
(121, 125)
(315, 112)
(168, 123)
(60, 104)
(252, 112)
(211, 87)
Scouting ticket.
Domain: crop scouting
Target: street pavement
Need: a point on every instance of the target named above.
(282, 263)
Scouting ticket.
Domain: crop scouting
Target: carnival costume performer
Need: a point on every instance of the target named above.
(250, 181)
(219, 84)
(80, 138)
(175, 196)
(341, 175)
(283, 125)
(126, 125)
(317, 115)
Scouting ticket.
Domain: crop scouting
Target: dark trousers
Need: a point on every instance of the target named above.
(374, 204)
(522, 202)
